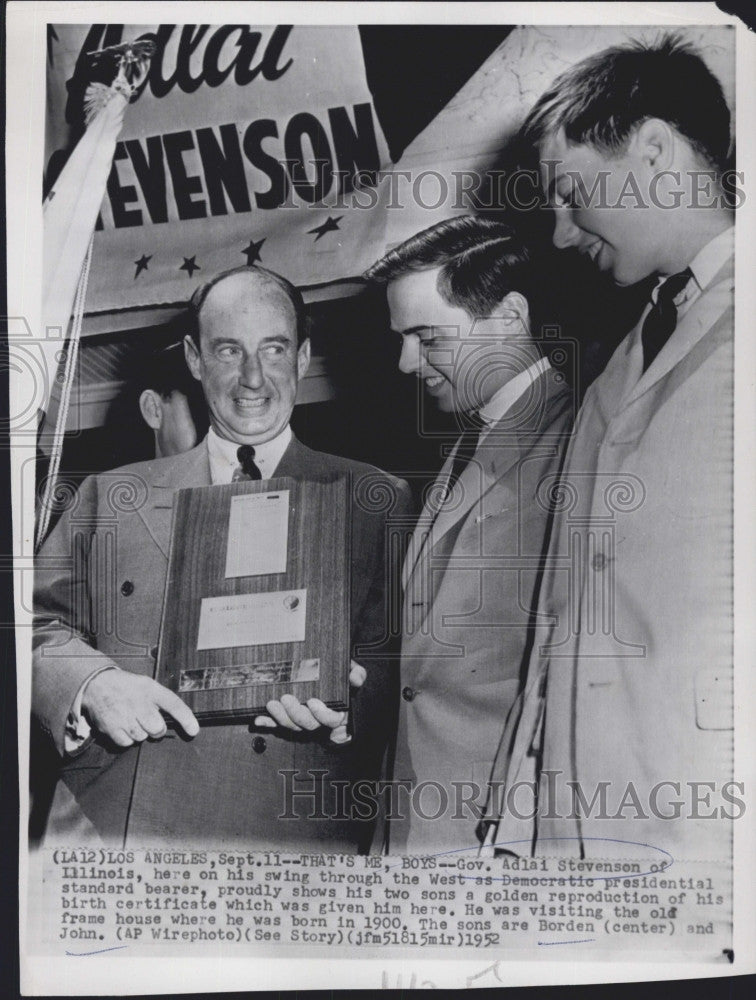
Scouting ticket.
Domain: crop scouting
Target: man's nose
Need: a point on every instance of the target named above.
(251, 373)
(566, 233)
(409, 359)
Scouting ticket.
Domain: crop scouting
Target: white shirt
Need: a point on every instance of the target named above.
(224, 460)
(705, 265)
(505, 398)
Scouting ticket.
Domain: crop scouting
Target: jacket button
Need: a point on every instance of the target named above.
(599, 562)
(408, 694)
(127, 588)
(259, 744)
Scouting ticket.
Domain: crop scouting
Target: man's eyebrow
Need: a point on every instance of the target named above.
(223, 340)
(277, 338)
(273, 338)
(413, 329)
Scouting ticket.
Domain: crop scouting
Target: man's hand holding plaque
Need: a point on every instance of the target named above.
(264, 597)
(264, 612)
(127, 708)
(290, 713)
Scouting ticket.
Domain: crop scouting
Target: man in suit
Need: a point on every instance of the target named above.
(624, 729)
(459, 294)
(99, 589)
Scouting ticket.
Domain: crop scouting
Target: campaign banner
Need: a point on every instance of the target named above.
(242, 145)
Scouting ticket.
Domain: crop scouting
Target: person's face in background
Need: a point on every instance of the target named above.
(462, 361)
(170, 418)
(248, 360)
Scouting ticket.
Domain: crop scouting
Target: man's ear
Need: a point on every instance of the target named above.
(191, 353)
(654, 144)
(303, 358)
(513, 308)
(151, 408)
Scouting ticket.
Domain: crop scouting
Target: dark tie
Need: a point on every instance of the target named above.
(466, 448)
(246, 468)
(660, 323)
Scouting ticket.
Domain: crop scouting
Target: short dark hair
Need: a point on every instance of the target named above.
(291, 292)
(481, 261)
(601, 100)
(166, 371)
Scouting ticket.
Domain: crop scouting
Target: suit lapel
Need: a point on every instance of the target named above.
(499, 452)
(492, 461)
(425, 521)
(623, 381)
(300, 462)
(179, 472)
(719, 292)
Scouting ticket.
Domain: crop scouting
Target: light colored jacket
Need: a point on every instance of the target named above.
(98, 598)
(630, 681)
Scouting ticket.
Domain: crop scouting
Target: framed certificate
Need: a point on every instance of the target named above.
(257, 596)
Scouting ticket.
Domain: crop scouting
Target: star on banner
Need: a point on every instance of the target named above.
(253, 251)
(329, 226)
(190, 265)
(141, 264)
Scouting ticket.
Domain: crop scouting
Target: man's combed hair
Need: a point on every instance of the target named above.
(291, 292)
(481, 261)
(166, 371)
(601, 100)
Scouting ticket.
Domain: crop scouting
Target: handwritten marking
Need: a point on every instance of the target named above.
(582, 941)
(81, 954)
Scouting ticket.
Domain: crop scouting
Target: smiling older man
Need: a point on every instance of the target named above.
(97, 626)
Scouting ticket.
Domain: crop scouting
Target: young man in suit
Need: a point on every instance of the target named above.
(98, 619)
(460, 295)
(624, 729)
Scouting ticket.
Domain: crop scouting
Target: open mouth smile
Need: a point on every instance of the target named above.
(257, 403)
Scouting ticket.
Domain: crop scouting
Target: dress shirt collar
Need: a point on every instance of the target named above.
(505, 398)
(711, 258)
(223, 458)
(704, 266)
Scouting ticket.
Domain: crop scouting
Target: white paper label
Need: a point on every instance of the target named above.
(252, 619)
(258, 534)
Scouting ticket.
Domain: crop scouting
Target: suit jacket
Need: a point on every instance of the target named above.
(631, 677)
(99, 584)
(470, 577)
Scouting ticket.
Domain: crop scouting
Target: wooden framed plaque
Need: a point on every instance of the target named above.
(257, 596)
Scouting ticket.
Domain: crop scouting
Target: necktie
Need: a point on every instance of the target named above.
(246, 469)
(660, 323)
(466, 448)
